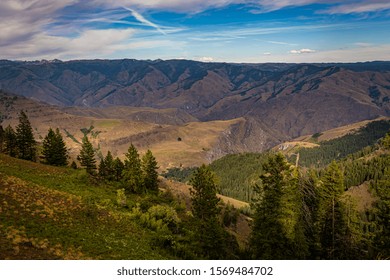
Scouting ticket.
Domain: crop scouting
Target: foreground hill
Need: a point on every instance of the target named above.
(292, 99)
(56, 213)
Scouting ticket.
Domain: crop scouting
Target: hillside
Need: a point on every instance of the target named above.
(55, 213)
(292, 99)
(176, 138)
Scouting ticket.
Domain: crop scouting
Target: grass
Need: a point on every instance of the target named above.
(56, 213)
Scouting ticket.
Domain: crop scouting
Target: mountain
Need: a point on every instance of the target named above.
(292, 99)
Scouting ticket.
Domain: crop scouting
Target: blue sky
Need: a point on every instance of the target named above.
(222, 30)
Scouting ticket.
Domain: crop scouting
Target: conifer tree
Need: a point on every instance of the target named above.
(118, 167)
(87, 156)
(277, 231)
(149, 169)
(382, 209)
(109, 164)
(10, 145)
(102, 171)
(210, 237)
(54, 149)
(25, 139)
(1, 138)
(338, 237)
(106, 167)
(132, 173)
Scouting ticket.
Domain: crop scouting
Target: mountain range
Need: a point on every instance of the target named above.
(251, 107)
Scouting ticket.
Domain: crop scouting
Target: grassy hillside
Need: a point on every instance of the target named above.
(57, 213)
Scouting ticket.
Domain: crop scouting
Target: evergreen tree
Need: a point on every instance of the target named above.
(87, 156)
(25, 139)
(338, 237)
(102, 171)
(1, 138)
(149, 169)
(132, 173)
(278, 231)
(109, 164)
(118, 168)
(382, 209)
(209, 235)
(10, 145)
(54, 149)
(106, 167)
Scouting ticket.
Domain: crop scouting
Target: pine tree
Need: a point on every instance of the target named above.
(278, 231)
(382, 210)
(10, 145)
(149, 169)
(210, 237)
(54, 149)
(102, 171)
(338, 236)
(87, 156)
(109, 162)
(132, 173)
(61, 154)
(25, 139)
(118, 168)
(1, 138)
(106, 167)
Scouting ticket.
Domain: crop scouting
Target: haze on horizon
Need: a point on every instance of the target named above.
(252, 31)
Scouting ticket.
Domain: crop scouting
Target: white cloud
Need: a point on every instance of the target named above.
(143, 20)
(21, 20)
(267, 53)
(302, 51)
(360, 7)
(205, 59)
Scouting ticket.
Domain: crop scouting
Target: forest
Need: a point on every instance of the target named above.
(299, 211)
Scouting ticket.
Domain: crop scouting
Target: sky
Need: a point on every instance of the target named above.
(240, 31)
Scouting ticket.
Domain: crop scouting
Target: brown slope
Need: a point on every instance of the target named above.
(186, 144)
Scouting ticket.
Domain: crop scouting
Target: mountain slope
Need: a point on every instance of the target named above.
(293, 99)
(176, 138)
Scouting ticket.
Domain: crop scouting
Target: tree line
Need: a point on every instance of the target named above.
(135, 174)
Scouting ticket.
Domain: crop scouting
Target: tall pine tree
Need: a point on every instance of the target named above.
(1, 138)
(149, 169)
(10, 144)
(25, 138)
(87, 156)
(338, 237)
(132, 173)
(209, 235)
(54, 149)
(118, 167)
(278, 231)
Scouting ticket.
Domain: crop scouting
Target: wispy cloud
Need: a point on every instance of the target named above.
(143, 20)
(360, 7)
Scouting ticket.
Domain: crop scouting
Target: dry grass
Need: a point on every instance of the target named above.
(339, 131)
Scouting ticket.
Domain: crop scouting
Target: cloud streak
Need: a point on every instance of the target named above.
(143, 20)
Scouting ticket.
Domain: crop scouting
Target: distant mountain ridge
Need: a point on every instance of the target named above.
(292, 99)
